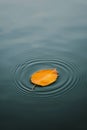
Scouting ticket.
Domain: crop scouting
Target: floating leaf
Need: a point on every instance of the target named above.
(44, 77)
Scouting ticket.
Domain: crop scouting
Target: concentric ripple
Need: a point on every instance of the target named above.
(68, 76)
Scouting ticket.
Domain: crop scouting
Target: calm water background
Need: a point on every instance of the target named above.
(39, 34)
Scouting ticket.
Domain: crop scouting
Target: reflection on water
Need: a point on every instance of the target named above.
(37, 35)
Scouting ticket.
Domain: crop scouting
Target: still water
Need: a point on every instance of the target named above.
(42, 34)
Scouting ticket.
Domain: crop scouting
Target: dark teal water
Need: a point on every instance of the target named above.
(42, 34)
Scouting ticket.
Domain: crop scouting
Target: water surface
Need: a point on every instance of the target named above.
(42, 34)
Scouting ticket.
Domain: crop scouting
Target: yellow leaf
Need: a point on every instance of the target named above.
(44, 77)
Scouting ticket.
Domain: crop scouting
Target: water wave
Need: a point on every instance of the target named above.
(68, 76)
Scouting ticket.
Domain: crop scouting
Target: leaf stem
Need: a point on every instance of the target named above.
(33, 87)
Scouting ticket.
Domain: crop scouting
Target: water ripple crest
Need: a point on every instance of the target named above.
(68, 77)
